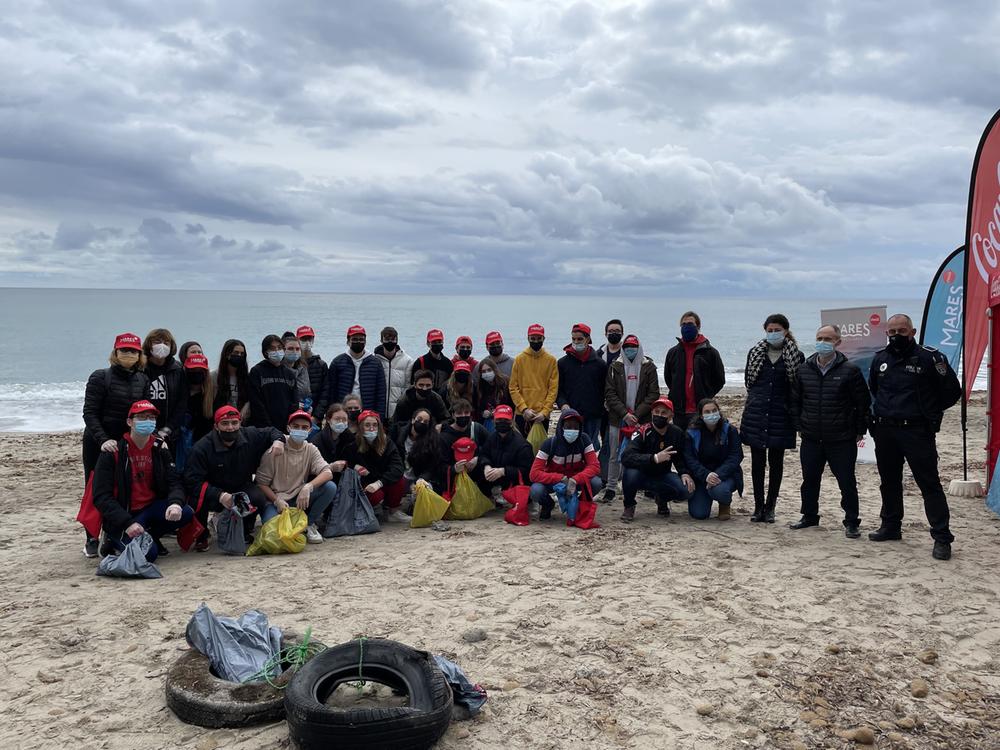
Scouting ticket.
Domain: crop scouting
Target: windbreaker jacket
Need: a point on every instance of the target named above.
(557, 458)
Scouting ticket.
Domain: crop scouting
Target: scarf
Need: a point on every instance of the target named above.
(757, 355)
(632, 371)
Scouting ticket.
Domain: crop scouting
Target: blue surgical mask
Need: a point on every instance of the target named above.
(370, 435)
(145, 426)
(775, 338)
(488, 375)
(711, 418)
(571, 435)
(299, 436)
(292, 357)
(580, 347)
(824, 348)
(338, 427)
(689, 332)
(276, 357)
(631, 352)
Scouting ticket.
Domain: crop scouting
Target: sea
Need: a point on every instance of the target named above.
(63, 335)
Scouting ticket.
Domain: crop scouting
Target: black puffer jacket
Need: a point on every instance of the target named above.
(168, 390)
(767, 416)
(318, 370)
(110, 394)
(830, 407)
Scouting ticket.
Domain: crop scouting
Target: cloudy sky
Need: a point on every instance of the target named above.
(751, 148)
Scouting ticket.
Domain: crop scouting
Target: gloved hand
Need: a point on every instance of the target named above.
(570, 487)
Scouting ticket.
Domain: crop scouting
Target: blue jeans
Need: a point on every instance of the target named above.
(540, 492)
(319, 501)
(153, 519)
(666, 487)
(700, 502)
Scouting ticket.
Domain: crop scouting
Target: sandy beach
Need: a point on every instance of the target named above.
(665, 633)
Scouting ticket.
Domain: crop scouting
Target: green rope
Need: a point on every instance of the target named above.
(294, 656)
(360, 684)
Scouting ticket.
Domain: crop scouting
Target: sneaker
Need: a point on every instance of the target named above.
(90, 548)
(400, 516)
(628, 515)
(607, 497)
(312, 534)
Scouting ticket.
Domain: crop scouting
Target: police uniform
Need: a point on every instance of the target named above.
(910, 392)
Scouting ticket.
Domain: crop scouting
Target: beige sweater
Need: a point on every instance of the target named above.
(285, 474)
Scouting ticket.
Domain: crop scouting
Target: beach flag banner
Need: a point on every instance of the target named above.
(993, 394)
(862, 334)
(941, 326)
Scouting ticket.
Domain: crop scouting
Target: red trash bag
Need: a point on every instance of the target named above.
(519, 496)
(88, 514)
(586, 515)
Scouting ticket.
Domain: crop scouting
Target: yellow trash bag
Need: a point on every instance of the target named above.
(428, 507)
(536, 436)
(286, 532)
(467, 502)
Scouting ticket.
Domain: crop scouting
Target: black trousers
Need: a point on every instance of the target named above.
(842, 456)
(893, 445)
(759, 459)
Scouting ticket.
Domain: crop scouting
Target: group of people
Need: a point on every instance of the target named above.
(169, 440)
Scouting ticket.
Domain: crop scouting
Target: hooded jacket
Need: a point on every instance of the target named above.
(557, 458)
(504, 363)
(110, 393)
(582, 378)
(831, 407)
(213, 468)
(168, 390)
(615, 389)
(273, 395)
(340, 382)
(709, 373)
(398, 372)
(534, 381)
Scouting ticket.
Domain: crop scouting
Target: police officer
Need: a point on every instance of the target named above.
(911, 386)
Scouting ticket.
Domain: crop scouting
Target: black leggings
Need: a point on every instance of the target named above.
(759, 459)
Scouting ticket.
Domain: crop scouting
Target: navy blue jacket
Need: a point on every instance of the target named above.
(581, 383)
(340, 381)
(698, 454)
(767, 417)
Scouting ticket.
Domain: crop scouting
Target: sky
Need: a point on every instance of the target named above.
(650, 148)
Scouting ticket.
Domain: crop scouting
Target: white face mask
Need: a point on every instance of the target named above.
(488, 375)
(160, 351)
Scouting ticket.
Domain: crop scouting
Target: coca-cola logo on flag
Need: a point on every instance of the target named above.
(986, 232)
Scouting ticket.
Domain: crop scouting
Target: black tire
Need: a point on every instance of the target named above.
(313, 725)
(198, 697)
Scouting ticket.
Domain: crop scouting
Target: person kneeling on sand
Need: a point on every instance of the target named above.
(651, 457)
(283, 478)
(712, 454)
(505, 457)
(568, 457)
(136, 488)
(223, 463)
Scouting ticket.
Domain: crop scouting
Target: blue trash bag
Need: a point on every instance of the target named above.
(132, 562)
(237, 649)
(993, 495)
(469, 696)
(568, 505)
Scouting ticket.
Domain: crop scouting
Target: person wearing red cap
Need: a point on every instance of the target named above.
(420, 395)
(378, 462)
(273, 394)
(460, 426)
(463, 351)
(534, 382)
(713, 453)
(136, 488)
(692, 370)
(568, 458)
(314, 364)
(167, 387)
(505, 456)
(200, 407)
(504, 363)
(582, 377)
(223, 463)
(298, 477)
(459, 385)
(491, 389)
(631, 388)
(109, 395)
(654, 462)
(357, 371)
(293, 361)
(434, 360)
(398, 368)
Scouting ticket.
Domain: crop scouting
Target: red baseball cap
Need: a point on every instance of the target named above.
(304, 332)
(582, 327)
(128, 341)
(356, 331)
(296, 414)
(494, 337)
(435, 334)
(662, 401)
(196, 362)
(631, 340)
(140, 406)
(463, 339)
(536, 329)
(226, 412)
(503, 412)
(464, 448)
(462, 366)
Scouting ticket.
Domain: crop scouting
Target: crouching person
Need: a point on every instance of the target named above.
(136, 488)
(654, 461)
(284, 478)
(377, 460)
(569, 457)
(223, 463)
(713, 453)
(505, 457)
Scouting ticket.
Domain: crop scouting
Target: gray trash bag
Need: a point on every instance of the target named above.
(469, 696)
(131, 563)
(229, 532)
(236, 649)
(351, 512)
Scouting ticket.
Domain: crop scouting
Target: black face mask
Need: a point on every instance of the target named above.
(352, 414)
(536, 345)
(660, 421)
(237, 360)
(614, 338)
(437, 348)
(496, 350)
(464, 353)
(462, 422)
(357, 346)
(502, 426)
(899, 343)
(423, 393)
(462, 377)
(195, 377)
(420, 428)
(228, 437)
(389, 346)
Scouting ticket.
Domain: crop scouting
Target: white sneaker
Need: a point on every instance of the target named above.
(400, 516)
(312, 534)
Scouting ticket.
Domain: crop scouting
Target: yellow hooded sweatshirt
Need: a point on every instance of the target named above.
(534, 381)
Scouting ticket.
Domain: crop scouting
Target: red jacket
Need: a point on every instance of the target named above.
(557, 458)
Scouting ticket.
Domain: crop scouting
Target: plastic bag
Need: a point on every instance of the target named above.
(580, 509)
(520, 497)
(286, 532)
(471, 697)
(428, 507)
(229, 532)
(236, 649)
(467, 502)
(132, 562)
(993, 494)
(536, 436)
(351, 512)
(568, 505)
